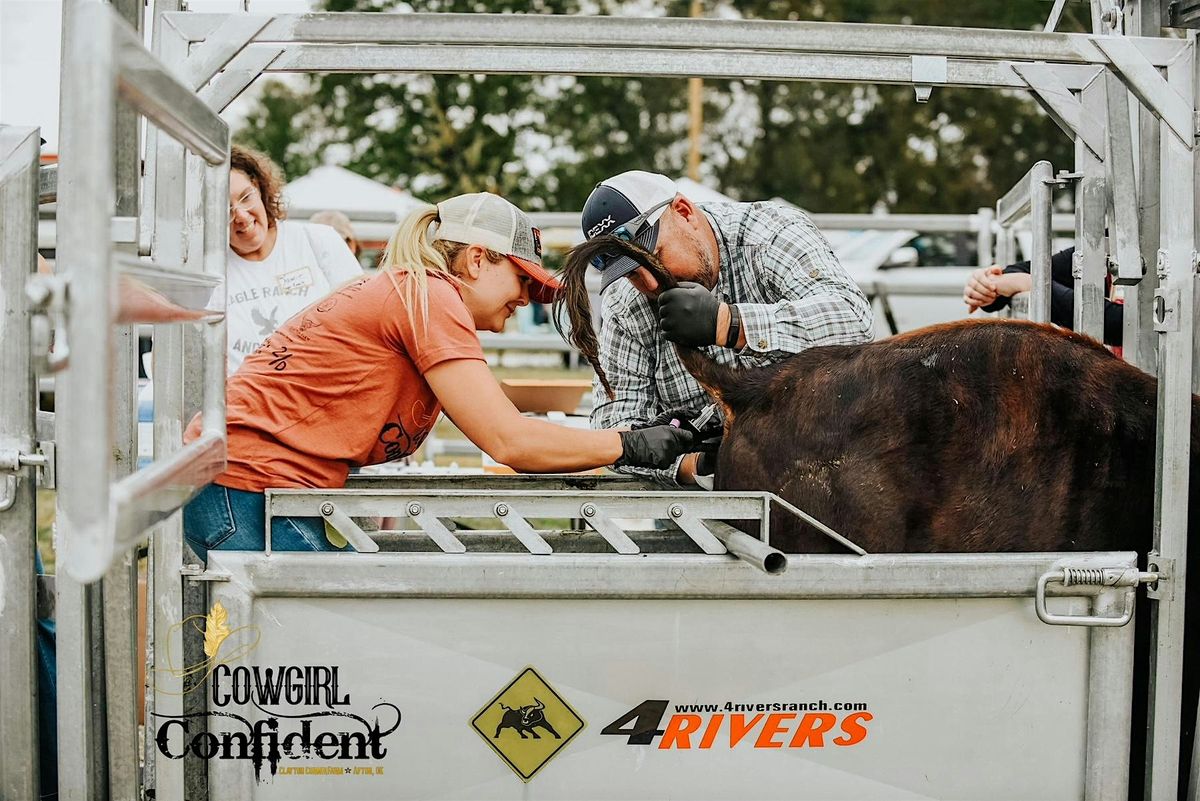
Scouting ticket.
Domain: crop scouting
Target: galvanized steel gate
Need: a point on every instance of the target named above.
(1084, 82)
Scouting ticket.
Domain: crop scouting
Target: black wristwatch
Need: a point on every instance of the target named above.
(735, 327)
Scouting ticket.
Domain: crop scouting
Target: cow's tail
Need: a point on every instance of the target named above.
(717, 379)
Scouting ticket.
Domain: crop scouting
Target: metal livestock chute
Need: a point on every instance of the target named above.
(553, 638)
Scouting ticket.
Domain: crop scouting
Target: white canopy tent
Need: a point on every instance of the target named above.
(373, 208)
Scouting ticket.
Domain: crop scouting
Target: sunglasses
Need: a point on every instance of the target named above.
(627, 232)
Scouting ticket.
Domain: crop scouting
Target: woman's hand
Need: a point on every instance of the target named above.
(980, 289)
(988, 283)
(656, 447)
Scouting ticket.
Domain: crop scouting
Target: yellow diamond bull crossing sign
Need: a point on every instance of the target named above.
(527, 723)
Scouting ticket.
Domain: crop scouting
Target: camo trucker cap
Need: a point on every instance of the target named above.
(628, 206)
(491, 221)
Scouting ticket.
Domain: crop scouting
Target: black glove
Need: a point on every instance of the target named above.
(688, 314)
(706, 465)
(713, 428)
(656, 447)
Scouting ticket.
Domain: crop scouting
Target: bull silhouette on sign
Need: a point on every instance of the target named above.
(525, 719)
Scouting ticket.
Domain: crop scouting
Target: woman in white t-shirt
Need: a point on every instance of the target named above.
(276, 267)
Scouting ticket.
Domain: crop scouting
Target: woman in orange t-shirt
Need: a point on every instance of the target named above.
(361, 376)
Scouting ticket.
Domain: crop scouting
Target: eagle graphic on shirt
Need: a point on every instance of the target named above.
(267, 325)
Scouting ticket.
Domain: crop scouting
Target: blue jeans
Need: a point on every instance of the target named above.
(47, 679)
(235, 520)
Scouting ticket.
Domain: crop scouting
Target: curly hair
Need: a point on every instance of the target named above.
(266, 176)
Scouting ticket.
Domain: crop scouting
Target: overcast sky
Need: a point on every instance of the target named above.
(30, 34)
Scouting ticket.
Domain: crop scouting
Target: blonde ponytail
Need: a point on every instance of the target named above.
(413, 254)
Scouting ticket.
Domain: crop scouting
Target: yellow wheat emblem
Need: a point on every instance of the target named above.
(216, 629)
(217, 635)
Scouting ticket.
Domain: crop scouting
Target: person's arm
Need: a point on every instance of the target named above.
(143, 304)
(630, 366)
(138, 303)
(478, 406)
(819, 304)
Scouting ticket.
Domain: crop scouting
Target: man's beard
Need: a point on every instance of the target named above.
(706, 270)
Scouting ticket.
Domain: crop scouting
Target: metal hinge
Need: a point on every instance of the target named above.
(199, 573)
(1127, 577)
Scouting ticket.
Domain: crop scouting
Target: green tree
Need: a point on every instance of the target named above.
(544, 141)
(271, 125)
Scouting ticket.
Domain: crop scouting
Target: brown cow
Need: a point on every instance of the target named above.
(973, 436)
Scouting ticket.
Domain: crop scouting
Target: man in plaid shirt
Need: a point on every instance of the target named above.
(758, 282)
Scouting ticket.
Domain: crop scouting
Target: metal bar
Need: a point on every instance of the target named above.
(164, 190)
(83, 417)
(836, 221)
(19, 148)
(1173, 437)
(985, 238)
(1055, 15)
(429, 523)
(159, 490)
(122, 691)
(607, 528)
(145, 83)
(751, 550)
(81, 729)
(1122, 185)
(492, 30)
(238, 74)
(519, 527)
(222, 45)
(120, 586)
(1143, 79)
(818, 525)
(1062, 106)
(1040, 202)
(696, 530)
(1110, 702)
(1091, 203)
(546, 59)
(216, 243)
(1139, 340)
(86, 180)
(608, 576)
(1015, 203)
(349, 530)
(466, 503)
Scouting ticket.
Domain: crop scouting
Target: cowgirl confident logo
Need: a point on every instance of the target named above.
(267, 689)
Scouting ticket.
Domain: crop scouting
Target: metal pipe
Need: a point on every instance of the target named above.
(750, 550)
(1177, 291)
(591, 575)
(18, 518)
(148, 86)
(1040, 198)
(1110, 701)
(503, 30)
(546, 59)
